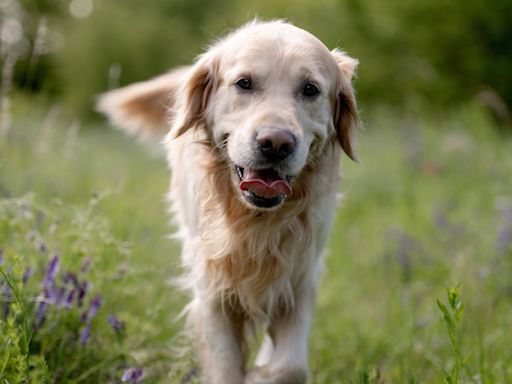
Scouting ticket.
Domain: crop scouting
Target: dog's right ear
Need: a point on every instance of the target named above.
(195, 94)
(144, 109)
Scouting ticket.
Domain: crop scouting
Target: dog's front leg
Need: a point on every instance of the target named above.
(219, 346)
(289, 331)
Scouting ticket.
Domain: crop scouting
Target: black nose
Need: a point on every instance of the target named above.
(276, 143)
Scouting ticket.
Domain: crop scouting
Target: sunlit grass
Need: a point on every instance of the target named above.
(428, 206)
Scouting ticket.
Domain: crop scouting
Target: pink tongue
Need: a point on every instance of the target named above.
(265, 183)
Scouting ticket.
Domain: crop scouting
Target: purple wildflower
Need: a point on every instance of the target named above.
(49, 295)
(70, 278)
(69, 298)
(26, 275)
(93, 308)
(41, 312)
(60, 296)
(86, 334)
(51, 272)
(87, 316)
(132, 375)
(116, 324)
(83, 288)
(1, 256)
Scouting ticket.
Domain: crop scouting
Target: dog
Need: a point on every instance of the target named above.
(253, 131)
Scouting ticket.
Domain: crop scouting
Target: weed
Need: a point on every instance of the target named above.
(452, 315)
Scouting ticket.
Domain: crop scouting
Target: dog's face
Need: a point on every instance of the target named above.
(270, 97)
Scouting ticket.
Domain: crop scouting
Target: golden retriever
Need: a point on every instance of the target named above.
(253, 133)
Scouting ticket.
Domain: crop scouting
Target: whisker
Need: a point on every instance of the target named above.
(221, 144)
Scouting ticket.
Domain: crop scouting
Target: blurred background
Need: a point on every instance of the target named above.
(85, 259)
(435, 54)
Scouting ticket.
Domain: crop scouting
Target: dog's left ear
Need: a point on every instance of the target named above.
(346, 117)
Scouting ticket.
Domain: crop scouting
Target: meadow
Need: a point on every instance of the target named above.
(86, 292)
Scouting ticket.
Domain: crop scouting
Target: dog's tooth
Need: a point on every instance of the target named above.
(240, 172)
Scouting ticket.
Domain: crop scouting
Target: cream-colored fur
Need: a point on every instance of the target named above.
(249, 266)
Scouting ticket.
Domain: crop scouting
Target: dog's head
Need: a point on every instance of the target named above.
(270, 98)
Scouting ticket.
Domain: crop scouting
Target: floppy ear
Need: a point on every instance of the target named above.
(195, 92)
(143, 109)
(346, 117)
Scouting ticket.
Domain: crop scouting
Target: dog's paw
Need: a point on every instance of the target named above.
(266, 375)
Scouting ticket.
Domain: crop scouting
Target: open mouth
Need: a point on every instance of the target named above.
(264, 188)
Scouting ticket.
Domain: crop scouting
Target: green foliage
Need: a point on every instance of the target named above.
(428, 204)
(452, 317)
(45, 318)
(77, 213)
(16, 332)
(437, 54)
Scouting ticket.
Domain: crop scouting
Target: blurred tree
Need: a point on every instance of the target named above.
(438, 53)
(127, 40)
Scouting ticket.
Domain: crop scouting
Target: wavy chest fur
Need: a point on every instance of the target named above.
(255, 261)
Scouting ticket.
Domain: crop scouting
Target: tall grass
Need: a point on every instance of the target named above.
(428, 205)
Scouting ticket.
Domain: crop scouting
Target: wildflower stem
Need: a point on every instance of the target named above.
(452, 316)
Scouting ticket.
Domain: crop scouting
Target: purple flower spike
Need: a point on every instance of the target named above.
(69, 298)
(83, 288)
(116, 324)
(132, 375)
(1, 256)
(93, 308)
(88, 315)
(41, 312)
(70, 278)
(26, 275)
(86, 334)
(51, 272)
(60, 296)
(50, 295)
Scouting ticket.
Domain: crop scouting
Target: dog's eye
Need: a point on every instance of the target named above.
(244, 83)
(310, 90)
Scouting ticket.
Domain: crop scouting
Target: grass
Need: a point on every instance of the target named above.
(428, 207)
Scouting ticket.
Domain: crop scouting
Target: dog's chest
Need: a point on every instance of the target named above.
(260, 265)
